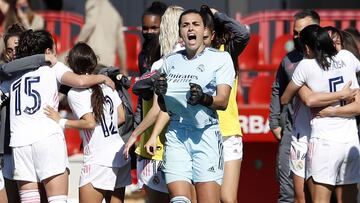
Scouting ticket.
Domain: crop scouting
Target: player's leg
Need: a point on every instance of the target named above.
(346, 193)
(123, 179)
(207, 192)
(89, 194)
(154, 196)
(321, 192)
(28, 192)
(232, 166)
(25, 174)
(178, 164)
(51, 164)
(3, 196)
(208, 164)
(300, 189)
(180, 192)
(349, 174)
(297, 167)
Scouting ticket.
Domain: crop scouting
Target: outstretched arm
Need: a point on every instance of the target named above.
(160, 124)
(148, 121)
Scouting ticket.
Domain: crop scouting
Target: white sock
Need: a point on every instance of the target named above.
(29, 196)
(58, 199)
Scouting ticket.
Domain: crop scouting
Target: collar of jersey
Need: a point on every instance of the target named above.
(183, 52)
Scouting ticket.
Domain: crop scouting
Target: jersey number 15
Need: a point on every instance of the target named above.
(29, 91)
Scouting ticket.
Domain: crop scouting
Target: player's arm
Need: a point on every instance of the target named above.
(241, 34)
(86, 122)
(121, 114)
(221, 99)
(289, 93)
(147, 121)
(160, 124)
(24, 64)
(349, 110)
(318, 99)
(84, 81)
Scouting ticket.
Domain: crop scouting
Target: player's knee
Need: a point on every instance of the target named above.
(229, 199)
(58, 199)
(180, 199)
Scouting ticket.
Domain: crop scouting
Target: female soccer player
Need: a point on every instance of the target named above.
(198, 83)
(333, 155)
(38, 142)
(105, 172)
(228, 35)
(149, 164)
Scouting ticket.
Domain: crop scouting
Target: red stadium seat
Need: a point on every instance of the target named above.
(252, 54)
(61, 23)
(281, 47)
(73, 141)
(260, 89)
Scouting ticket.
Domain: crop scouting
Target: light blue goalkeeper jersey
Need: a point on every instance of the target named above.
(208, 69)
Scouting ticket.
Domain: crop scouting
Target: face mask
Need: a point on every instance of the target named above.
(150, 36)
(297, 44)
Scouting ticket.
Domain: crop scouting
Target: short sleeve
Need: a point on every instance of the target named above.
(226, 73)
(157, 64)
(60, 69)
(300, 76)
(354, 61)
(79, 101)
(117, 99)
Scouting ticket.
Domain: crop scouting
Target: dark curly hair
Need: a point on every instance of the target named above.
(82, 60)
(13, 30)
(34, 42)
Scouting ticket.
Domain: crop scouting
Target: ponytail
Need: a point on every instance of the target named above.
(97, 102)
(319, 41)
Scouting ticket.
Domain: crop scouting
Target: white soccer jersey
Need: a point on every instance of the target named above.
(28, 97)
(208, 69)
(343, 69)
(103, 145)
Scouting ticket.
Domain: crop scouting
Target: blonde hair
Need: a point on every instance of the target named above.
(169, 29)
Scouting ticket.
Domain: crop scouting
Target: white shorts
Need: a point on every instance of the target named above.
(149, 172)
(41, 160)
(333, 163)
(105, 178)
(298, 152)
(233, 148)
(8, 169)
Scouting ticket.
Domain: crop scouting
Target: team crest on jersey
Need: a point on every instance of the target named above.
(156, 180)
(200, 68)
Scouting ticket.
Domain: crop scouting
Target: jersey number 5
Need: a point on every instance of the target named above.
(333, 82)
(29, 91)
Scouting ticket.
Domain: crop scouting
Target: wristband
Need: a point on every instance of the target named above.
(62, 123)
(207, 100)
